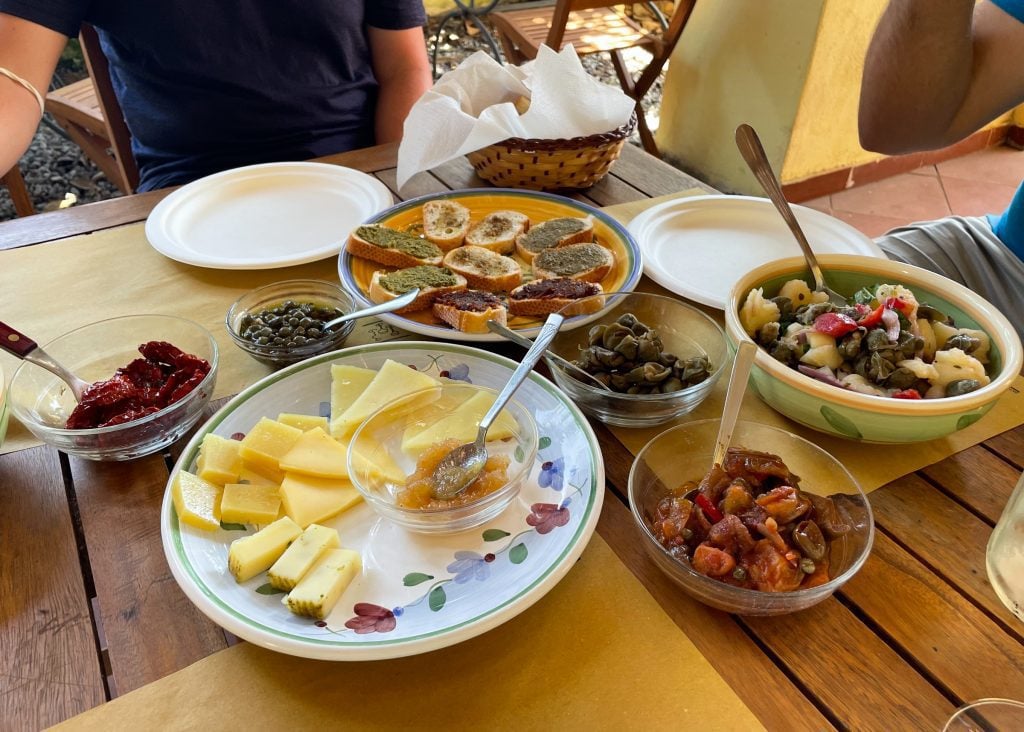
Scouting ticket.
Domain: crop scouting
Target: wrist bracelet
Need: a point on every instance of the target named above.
(18, 80)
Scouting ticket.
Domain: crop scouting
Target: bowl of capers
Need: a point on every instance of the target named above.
(657, 357)
(283, 323)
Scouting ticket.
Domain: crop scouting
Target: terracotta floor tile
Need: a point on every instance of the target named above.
(905, 197)
(975, 197)
(925, 170)
(823, 204)
(869, 224)
(998, 164)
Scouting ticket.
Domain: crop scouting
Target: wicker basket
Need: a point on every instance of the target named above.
(547, 165)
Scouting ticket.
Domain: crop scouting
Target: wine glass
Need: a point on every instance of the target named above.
(1004, 557)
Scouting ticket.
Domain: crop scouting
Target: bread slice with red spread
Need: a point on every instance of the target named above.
(589, 262)
(391, 247)
(484, 269)
(498, 230)
(541, 297)
(432, 281)
(470, 310)
(554, 233)
(445, 223)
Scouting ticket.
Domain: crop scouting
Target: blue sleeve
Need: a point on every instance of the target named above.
(394, 14)
(1010, 226)
(63, 16)
(1011, 7)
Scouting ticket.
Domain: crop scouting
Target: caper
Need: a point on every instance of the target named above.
(739, 574)
(807, 565)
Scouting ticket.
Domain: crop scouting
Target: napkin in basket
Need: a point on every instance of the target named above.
(474, 105)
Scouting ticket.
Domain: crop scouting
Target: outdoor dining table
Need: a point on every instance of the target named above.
(89, 611)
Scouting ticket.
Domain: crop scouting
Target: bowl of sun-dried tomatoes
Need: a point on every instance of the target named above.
(151, 378)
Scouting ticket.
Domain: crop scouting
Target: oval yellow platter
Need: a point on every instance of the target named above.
(355, 273)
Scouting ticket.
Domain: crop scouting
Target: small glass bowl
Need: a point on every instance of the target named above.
(42, 402)
(379, 440)
(685, 332)
(684, 453)
(317, 292)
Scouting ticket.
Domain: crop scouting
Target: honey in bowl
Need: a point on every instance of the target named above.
(419, 485)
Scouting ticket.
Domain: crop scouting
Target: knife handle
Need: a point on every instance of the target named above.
(15, 343)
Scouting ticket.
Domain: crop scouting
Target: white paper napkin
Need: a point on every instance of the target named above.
(473, 106)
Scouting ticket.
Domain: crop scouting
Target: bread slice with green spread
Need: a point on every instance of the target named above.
(432, 281)
(498, 230)
(484, 269)
(445, 223)
(586, 262)
(391, 247)
(554, 233)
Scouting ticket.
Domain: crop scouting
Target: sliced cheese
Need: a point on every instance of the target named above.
(245, 503)
(304, 422)
(196, 500)
(394, 380)
(301, 555)
(259, 474)
(347, 383)
(462, 425)
(308, 500)
(316, 453)
(377, 466)
(219, 461)
(266, 442)
(319, 591)
(250, 555)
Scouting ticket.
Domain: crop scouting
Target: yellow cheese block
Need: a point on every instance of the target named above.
(249, 504)
(259, 474)
(377, 466)
(219, 461)
(392, 381)
(347, 383)
(301, 555)
(195, 500)
(267, 441)
(308, 500)
(316, 453)
(304, 422)
(462, 425)
(319, 591)
(250, 555)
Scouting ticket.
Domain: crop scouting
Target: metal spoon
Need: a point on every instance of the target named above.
(733, 398)
(569, 366)
(385, 307)
(461, 466)
(753, 153)
(20, 345)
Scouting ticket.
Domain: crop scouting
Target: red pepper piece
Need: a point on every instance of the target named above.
(835, 324)
(710, 510)
(895, 303)
(873, 318)
(907, 394)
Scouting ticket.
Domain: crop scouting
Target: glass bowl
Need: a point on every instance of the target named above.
(317, 292)
(685, 332)
(684, 453)
(385, 448)
(42, 402)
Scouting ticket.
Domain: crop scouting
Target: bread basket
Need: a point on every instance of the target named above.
(547, 165)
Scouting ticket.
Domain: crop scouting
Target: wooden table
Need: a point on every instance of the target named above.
(89, 610)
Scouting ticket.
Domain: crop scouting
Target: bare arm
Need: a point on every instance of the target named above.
(30, 51)
(936, 71)
(400, 65)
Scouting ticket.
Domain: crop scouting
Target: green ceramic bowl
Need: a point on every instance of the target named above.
(863, 417)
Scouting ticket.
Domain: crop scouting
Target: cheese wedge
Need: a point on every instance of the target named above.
(249, 504)
(462, 425)
(392, 381)
(347, 383)
(219, 461)
(316, 453)
(301, 556)
(259, 474)
(304, 422)
(250, 555)
(378, 466)
(196, 500)
(308, 500)
(319, 591)
(266, 442)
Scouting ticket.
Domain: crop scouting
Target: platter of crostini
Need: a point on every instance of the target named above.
(487, 254)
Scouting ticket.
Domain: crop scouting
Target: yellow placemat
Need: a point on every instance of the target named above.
(596, 653)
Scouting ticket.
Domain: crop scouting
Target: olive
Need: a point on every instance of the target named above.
(809, 538)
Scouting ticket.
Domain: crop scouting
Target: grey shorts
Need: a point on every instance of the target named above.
(964, 249)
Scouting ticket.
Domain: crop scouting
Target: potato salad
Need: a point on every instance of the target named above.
(883, 343)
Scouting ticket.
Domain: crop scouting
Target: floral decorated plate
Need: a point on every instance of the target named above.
(416, 592)
(355, 273)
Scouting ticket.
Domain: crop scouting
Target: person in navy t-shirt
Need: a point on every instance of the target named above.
(936, 71)
(209, 85)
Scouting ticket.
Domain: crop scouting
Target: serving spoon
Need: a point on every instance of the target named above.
(576, 371)
(20, 345)
(385, 307)
(463, 464)
(733, 398)
(753, 153)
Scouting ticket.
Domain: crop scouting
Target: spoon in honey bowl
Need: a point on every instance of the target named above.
(20, 345)
(733, 399)
(460, 467)
(576, 371)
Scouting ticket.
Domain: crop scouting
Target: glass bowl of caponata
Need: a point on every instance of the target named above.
(658, 356)
(282, 323)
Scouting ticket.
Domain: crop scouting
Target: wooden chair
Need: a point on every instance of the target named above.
(19, 193)
(594, 27)
(91, 115)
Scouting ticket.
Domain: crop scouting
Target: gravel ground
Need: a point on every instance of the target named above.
(54, 166)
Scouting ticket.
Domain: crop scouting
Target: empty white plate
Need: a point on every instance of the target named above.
(699, 246)
(265, 216)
